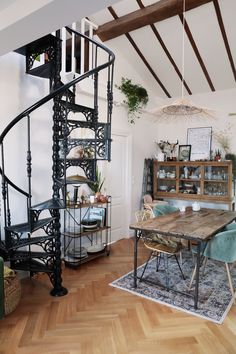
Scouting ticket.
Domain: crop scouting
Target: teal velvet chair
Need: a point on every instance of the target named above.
(1, 288)
(222, 248)
(231, 226)
(159, 210)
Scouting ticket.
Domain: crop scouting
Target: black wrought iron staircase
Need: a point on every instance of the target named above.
(35, 244)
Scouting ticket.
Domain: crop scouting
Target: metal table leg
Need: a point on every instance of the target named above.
(135, 257)
(198, 261)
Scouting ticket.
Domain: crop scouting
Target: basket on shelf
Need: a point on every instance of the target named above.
(12, 290)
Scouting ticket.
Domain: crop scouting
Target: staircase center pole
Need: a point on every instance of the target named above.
(58, 289)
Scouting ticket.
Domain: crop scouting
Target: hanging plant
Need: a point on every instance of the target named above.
(136, 98)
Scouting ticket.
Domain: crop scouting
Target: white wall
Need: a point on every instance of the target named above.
(221, 103)
(18, 91)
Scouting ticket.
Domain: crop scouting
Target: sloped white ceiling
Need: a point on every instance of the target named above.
(5, 3)
(207, 35)
(22, 21)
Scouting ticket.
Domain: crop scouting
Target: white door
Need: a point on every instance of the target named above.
(118, 185)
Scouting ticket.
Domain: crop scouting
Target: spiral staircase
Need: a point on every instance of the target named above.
(35, 244)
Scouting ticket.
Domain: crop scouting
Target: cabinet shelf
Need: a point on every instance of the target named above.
(79, 159)
(167, 179)
(190, 179)
(86, 205)
(74, 263)
(216, 180)
(85, 233)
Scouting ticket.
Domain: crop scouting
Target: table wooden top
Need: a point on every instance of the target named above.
(194, 225)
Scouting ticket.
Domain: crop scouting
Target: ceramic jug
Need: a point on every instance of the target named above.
(196, 206)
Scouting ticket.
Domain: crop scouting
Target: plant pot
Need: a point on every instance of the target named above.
(97, 196)
(217, 158)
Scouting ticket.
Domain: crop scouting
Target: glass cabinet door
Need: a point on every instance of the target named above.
(166, 178)
(216, 180)
(190, 179)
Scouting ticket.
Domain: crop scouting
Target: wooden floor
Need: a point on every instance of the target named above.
(95, 318)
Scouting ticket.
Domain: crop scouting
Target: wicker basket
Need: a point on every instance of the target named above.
(12, 292)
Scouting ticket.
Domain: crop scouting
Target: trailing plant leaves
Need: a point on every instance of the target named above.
(96, 186)
(136, 98)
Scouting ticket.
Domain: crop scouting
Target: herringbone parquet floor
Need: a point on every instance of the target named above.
(95, 318)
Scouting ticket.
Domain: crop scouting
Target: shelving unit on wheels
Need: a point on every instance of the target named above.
(86, 232)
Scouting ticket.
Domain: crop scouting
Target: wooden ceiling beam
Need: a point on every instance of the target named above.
(158, 36)
(142, 57)
(224, 35)
(159, 11)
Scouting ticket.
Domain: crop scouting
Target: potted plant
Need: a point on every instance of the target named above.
(136, 98)
(232, 157)
(96, 186)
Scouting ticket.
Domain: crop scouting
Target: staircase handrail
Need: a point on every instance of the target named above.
(62, 88)
(14, 185)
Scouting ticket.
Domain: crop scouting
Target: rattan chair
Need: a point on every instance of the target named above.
(147, 200)
(160, 246)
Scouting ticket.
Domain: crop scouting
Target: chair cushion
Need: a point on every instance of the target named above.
(160, 239)
(159, 210)
(167, 247)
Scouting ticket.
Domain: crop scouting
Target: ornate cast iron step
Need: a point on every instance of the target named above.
(87, 165)
(26, 227)
(49, 204)
(44, 71)
(33, 266)
(38, 46)
(76, 179)
(46, 46)
(77, 108)
(3, 250)
(26, 255)
(73, 123)
(29, 241)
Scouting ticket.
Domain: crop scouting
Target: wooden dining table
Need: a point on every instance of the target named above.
(195, 226)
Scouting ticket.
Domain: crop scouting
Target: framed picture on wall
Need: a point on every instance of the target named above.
(184, 152)
(200, 141)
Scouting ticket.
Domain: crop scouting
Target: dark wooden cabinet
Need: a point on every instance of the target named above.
(209, 181)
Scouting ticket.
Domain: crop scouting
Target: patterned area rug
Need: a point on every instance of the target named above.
(215, 298)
